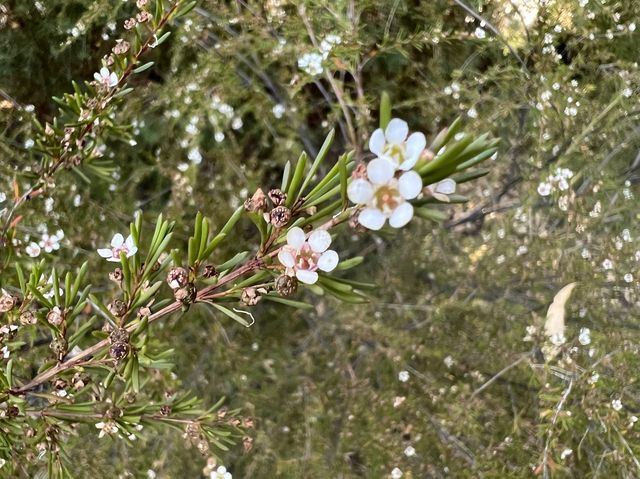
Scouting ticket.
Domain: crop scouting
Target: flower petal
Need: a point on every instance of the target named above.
(376, 142)
(360, 191)
(286, 258)
(296, 237)
(410, 184)
(415, 146)
(97, 77)
(133, 250)
(446, 187)
(328, 261)
(113, 259)
(129, 243)
(104, 72)
(397, 130)
(306, 276)
(117, 241)
(319, 241)
(105, 252)
(371, 218)
(380, 171)
(401, 215)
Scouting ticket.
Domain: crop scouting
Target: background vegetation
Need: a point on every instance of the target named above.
(223, 108)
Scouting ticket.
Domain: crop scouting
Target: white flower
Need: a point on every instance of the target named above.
(195, 156)
(443, 189)
(108, 427)
(544, 188)
(616, 404)
(118, 244)
(303, 256)
(33, 249)
(311, 63)
(384, 196)
(403, 376)
(410, 451)
(328, 43)
(5, 352)
(50, 243)
(585, 336)
(393, 144)
(396, 473)
(221, 473)
(106, 78)
(278, 110)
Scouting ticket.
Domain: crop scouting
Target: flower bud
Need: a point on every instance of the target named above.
(121, 47)
(186, 295)
(277, 197)
(209, 271)
(286, 285)
(258, 202)
(177, 277)
(119, 351)
(129, 23)
(142, 3)
(55, 316)
(119, 335)
(143, 17)
(250, 296)
(59, 346)
(280, 216)
(28, 318)
(117, 307)
(360, 171)
(7, 302)
(165, 410)
(116, 276)
(247, 443)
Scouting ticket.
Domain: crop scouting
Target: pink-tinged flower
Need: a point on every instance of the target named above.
(106, 78)
(443, 189)
(302, 256)
(33, 249)
(393, 145)
(119, 244)
(384, 196)
(51, 243)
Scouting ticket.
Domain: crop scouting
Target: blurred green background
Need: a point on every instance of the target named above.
(226, 105)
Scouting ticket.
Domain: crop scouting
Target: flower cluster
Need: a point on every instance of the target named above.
(311, 62)
(559, 180)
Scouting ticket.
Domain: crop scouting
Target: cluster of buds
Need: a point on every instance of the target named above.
(279, 216)
(116, 276)
(119, 340)
(183, 290)
(194, 437)
(28, 318)
(121, 47)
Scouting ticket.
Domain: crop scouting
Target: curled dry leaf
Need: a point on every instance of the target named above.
(554, 325)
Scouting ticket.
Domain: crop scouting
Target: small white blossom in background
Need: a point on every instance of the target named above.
(449, 361)
(195, 156)
(220, 473)
(311, 63)
(3, 196)
(558, 339)
(33, 249)
(566, 453)
(593, 378)
(51, 243)
(328, 43)
(119, 244)
(303, 256)
(628, 278)
(560, 180)
(616, 404)
(28, 144)
(585, 336)
(106, 78)
(278, 110)
(410, 451)
(5, 352)
(108, 427)
(403, 376)
(396, 473)
(607, 264)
